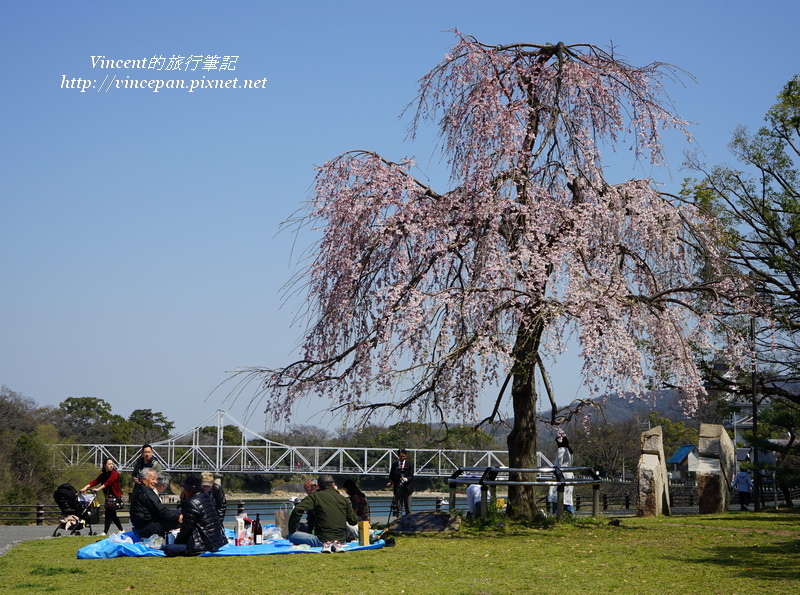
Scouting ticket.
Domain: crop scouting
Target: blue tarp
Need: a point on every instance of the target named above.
(113, 547)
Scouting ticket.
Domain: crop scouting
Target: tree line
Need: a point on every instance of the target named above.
(609, 445)
(26, 429)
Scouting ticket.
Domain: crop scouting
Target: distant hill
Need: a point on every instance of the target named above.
(615, 408)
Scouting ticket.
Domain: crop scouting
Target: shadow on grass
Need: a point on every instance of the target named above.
(764, 515)
(55, 570)
(777, 562)
(783, 516)
(502, 527)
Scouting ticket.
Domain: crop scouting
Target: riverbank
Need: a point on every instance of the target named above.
(280, 495)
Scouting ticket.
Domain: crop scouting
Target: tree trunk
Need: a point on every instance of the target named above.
(787, 494)
(522, 439)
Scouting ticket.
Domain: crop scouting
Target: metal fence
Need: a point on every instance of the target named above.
(276, 459)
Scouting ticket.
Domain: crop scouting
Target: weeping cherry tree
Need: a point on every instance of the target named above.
(425, 301)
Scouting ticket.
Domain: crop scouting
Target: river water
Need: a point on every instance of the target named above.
(379, 508)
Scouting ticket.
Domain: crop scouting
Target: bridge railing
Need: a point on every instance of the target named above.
(277, 458)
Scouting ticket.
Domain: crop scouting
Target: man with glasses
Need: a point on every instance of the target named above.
(150, 516)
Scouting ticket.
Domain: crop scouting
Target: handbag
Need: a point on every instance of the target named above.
(114, 503)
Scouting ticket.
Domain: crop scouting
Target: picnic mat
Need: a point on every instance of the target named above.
(116, 547)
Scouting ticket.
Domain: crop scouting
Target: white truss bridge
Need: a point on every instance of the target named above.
(195, 451)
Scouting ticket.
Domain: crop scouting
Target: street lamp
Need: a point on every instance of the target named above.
(757, 474)
(764, 296)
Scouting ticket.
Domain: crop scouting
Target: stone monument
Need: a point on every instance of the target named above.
(653, 484)
(715, 469)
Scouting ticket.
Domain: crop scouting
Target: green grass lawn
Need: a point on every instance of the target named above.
(734, 553)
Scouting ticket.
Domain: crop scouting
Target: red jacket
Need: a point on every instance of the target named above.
(110, 483)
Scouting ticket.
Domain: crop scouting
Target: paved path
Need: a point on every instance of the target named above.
(10, 535)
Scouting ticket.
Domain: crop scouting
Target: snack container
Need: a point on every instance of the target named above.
(241, 535)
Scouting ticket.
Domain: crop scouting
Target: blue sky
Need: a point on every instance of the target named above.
(140, 253)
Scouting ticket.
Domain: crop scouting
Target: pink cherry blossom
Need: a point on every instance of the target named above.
(422, 301)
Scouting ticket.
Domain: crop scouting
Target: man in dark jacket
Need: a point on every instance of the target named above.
(147, 459)
(332, 513)
(149, 516)
(201, 529)
(401, 480)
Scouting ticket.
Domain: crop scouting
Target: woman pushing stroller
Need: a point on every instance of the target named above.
(108, 481)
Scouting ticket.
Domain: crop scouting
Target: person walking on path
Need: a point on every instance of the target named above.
(744, 485)
(563, 459)
(108, 481)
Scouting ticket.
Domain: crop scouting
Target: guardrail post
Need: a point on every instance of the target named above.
(627, 500)
(577, 503)
(596, 500)
(605, 501)
(452, 497)
(40, 513)
(560, 502)
(484, 501)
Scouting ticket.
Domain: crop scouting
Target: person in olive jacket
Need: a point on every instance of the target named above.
(201, 529)
(332, 513)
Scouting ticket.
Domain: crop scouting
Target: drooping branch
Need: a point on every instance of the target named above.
(425, 293)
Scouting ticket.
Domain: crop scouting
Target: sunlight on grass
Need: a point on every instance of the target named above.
(752, 553)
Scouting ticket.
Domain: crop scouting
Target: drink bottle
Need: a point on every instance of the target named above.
(258, 533)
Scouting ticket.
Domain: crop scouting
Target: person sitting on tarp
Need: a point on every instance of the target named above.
(149, 516)
(201, 529)
(332, 513)
(217, 493)
(358, 500)
(309, 487)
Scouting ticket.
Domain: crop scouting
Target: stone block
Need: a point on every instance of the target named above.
(708, 443)
(652, 481)
(426, 522)
(715, 469)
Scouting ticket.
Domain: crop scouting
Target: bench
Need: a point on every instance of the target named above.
(491, 477)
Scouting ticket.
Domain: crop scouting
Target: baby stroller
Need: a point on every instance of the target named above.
(76, 510)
